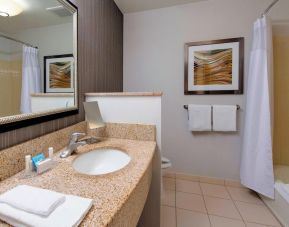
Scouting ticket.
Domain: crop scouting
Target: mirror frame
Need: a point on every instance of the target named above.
(24, 120)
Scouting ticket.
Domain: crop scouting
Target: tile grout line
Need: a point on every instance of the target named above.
(176, 215)
(242, 201)
(236, 206)
(195, 211)
(212, 196)
(203, 195)
(205, 204)
(261, 205)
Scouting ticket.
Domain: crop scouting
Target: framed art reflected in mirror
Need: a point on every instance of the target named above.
(58, 73)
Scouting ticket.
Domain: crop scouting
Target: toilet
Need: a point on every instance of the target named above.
(166, 163)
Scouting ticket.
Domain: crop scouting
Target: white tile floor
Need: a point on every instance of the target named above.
(188, 203)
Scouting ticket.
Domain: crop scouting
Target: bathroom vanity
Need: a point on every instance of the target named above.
(119, 197)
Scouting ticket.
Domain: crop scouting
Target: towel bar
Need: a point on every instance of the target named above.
(238, 107)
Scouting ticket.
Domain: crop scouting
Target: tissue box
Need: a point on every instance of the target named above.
(44, 165)
(36, 159)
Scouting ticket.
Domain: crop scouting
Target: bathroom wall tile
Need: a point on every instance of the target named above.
(191, 202)
(188, 186)
(257, 214)
(221, 207)
(168, 216)
(244, 195)
(169, 183)
(126, 131)
(187, 218)
(225, 222)
(215, 190)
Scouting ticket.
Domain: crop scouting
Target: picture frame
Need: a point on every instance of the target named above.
(214, 67)
(59, 73)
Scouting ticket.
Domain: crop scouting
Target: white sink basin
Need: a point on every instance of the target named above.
(102, 161)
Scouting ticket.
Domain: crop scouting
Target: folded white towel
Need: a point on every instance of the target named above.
(68, 214)
(199, 117)
(225, 118)
(33, 200)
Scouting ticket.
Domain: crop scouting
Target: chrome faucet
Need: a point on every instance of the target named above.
(74, 143)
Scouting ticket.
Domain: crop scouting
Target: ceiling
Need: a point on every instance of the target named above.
(129, 6)
(34, 15)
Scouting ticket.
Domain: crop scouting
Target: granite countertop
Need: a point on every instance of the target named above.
(109, 192)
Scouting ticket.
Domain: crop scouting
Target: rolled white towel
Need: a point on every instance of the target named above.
(33, 200)
(68, 214)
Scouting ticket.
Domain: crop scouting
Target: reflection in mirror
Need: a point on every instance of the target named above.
(37, 57)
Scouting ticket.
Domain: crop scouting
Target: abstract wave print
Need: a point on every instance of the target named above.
(213, 67)
(60, 75)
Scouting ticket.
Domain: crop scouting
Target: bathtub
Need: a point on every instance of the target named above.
(280, 205)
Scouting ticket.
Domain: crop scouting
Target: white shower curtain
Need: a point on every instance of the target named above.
(257, 162)
(30, 77)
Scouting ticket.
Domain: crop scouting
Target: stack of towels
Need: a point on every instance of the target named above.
(219, 118)
(29, 206)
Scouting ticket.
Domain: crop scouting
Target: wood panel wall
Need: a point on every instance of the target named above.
(100, 68)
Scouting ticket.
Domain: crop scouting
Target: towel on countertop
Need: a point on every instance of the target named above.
(68, 214)
(200, 117)
(225, 118)
(33, 200)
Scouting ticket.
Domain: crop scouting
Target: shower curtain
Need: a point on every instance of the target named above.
(257, 162)
(30, 77)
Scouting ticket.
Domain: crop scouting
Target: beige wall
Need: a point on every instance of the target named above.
(154, 61)
(10, 87)
(281, 99)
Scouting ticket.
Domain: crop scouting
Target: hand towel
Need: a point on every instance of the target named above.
(225, 118)
(33, 200)
(199, 118)
(68, 214)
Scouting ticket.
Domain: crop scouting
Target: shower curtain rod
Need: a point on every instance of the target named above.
(269, 8)
(16, 40)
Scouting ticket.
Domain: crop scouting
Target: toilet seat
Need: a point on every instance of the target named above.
(166, 163)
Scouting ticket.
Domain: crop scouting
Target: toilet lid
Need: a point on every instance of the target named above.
(165, 160)
(166, 163)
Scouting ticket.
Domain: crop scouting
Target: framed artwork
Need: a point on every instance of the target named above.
(214, 67)
(59, 73)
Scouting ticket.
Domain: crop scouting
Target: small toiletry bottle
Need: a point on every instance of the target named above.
(28, 164)
(50, 152)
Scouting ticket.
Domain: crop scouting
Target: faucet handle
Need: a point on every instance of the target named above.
(75, 136)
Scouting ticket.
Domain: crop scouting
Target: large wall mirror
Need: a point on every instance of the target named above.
(38, 61)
